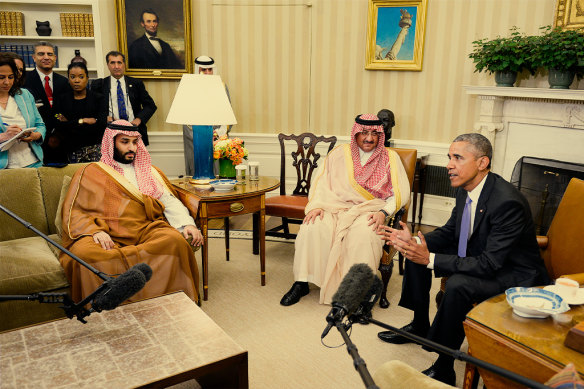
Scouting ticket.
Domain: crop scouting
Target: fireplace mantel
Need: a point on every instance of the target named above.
(536, 122)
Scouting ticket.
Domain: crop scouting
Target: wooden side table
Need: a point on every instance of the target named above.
(243, 199)
(419, 186)
(533, 348)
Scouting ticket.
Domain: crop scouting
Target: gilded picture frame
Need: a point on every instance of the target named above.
(156, 39)
(569, 14)
(395, 34)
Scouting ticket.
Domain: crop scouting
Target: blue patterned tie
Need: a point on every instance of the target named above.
(121, 103)
(464, 229)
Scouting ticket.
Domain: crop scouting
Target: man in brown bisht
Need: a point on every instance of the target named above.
(122, 211)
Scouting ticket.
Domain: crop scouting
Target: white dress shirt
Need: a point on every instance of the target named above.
(113, 101)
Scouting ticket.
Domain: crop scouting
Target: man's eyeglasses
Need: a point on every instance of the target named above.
(374, 134)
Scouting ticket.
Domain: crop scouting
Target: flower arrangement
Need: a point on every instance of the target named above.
(231, 149)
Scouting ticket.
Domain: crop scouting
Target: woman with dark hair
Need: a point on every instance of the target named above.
(19, 82)
(81, 117)
(18, 113)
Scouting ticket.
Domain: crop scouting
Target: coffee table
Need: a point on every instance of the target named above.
(533, 348)
(152, 343)
(243, 199)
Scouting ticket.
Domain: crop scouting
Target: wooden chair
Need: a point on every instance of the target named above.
(304, 159)
(563, 245)
(408, 158)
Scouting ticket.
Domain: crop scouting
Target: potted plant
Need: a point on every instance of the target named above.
(229, 152)
(504, 56)
(560, 52)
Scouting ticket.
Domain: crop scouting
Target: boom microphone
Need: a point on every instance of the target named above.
(119, 289)
(370, 299)
(351, 292)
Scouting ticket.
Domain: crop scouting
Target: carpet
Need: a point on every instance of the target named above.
(283, 343)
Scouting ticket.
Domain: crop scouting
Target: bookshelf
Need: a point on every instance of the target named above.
(33, 10)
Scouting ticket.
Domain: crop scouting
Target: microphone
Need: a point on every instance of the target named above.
(119, 289)
(371, 297)
(351, 292)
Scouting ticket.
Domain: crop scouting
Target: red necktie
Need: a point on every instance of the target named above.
(48, 90)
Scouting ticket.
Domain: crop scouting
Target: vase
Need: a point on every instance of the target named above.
(505, 78)
(226, 168)
(43, 28)
(560, 79)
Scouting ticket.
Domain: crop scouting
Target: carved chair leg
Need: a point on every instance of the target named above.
(226, 223)
(285, 227)
(386, 268)
(401, 264)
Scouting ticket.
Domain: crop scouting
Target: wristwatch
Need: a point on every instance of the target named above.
(80, 121)
(387, 216)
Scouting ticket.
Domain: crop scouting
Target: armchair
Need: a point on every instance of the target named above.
(408, 158)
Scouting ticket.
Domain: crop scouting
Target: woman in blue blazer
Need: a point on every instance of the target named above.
(18, 112)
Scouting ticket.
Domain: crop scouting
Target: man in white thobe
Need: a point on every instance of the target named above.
(357, 186)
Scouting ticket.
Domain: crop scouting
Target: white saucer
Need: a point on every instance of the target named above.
(572, 300)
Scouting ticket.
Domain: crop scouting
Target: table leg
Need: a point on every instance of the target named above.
(205, 251)
(255, 240)
(226, 223)
(262, 232)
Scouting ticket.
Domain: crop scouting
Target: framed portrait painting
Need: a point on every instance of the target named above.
(569, 14)
(395, 34)
(155, 37)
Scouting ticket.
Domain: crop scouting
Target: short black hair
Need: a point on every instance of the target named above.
(80, 65)
(43, 43)
(480, 143)
(148, 11)
(114, 53)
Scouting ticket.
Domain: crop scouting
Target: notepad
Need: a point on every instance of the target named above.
(22, 134)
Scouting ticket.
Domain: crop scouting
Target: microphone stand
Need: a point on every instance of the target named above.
(358, 362)
(71, 309)
(457, 354)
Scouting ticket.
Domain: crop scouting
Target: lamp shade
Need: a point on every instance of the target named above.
(201, 100)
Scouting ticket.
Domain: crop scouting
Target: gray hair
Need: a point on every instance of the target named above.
(480, 143)
(43, 43)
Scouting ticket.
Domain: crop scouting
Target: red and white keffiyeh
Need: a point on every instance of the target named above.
(147, 184)
(374, 176)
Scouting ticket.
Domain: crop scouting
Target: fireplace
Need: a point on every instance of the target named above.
(543, 183)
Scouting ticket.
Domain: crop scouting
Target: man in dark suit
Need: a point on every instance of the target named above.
(149, 51)
(44, 84)
(127, 97)
(487, 246)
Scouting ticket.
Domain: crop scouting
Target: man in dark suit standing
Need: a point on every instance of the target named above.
(487, 246)
(149, 51)
(127, 97)
(44, 84)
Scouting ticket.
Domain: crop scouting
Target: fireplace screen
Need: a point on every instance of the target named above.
(543, 183)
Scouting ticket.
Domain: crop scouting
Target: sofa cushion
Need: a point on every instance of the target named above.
(21, 194)
(29, 266)
(51, 180)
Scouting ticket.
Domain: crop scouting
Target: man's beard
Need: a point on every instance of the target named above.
(118, 157)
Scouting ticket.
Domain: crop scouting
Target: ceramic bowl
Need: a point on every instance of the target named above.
(535, 302)
(223, 185)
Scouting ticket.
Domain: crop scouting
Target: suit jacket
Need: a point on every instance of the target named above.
(35, 85)
(142, 55)
(142, 104)
(502, 246)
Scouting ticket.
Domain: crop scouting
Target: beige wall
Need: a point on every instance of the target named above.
(292, 67)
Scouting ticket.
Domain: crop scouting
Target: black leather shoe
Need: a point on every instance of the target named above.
(392, 337)
(297, 290)
(447, 376)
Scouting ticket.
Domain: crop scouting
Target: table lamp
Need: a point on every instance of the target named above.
(201, 102)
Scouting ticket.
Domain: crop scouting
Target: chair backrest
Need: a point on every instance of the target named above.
(408, 158)
(563, 254)
(304, 159)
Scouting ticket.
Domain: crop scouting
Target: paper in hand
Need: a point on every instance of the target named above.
(22, 134)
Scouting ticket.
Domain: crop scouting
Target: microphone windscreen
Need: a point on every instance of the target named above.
(119, 289)
(145, 269)
(353, 287)
(372, 295)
